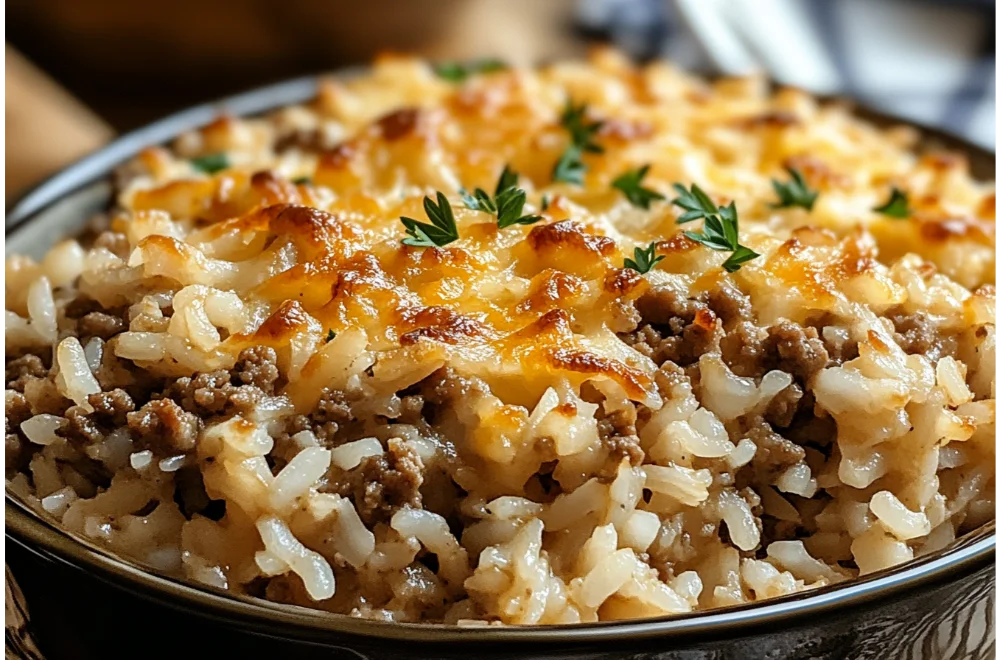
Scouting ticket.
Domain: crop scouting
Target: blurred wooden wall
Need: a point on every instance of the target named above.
(132, 62)
(45, 127)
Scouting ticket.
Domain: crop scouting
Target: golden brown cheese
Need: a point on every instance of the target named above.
(333, 246)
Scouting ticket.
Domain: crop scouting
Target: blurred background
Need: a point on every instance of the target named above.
(78, 73)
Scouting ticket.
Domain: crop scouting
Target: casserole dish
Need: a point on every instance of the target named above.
(937, 604)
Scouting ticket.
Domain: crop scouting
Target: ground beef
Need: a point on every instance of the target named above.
(730, 304)
(684, 349)
(44, 397)
(164, 427)
(257, 366)
(16, 409)
(697, 340)
(742, 349)
(112, 408)
(381, 485)
(14, 451)
(331, 414)
(19, 370)
(918, 334)
(204, 393)
(17, 449)
(618, 434)
(285, 447)
(114, 241)
(670, 374)
(116, 373)
(447, 388)
(774, 453)
(333, 406)
(782, 408)
(99, 324)
(840, 351)
(795, 349)
(82, 428)
(667, 307)
(646, 340)
(623, 446)
(284, 450)
(411, 409)
(915, 333)
(680, 330)
(213, 393)
(81, 306)
(676, 328)
(297, 423)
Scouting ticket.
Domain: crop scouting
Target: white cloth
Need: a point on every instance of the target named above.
(930, 62)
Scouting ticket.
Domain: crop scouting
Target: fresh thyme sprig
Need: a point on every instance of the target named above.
(211, 163)
(644, 259)
(459, 71)
(442, 229)
(570, 167)
(695, 203)
(630, 183)
(507, 202)
(795, 192)
(720, 230)
(898, 205)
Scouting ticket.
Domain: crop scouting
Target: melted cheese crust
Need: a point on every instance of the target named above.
(526, 306)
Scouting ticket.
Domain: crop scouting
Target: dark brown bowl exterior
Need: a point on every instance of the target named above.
(67, 598)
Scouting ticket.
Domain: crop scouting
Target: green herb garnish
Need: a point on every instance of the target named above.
(459, 71)
(795, 192)
(330, 334)
(720, 231)
(442, 229)
(644, 259)
(545, 202)
(211, 163)
(570, 167)
(695, 202)
(630, 183)
(302, 181)
(898, 205)
(507, 202)
(480, 200)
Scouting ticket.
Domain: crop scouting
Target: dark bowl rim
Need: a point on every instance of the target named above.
(971, 553)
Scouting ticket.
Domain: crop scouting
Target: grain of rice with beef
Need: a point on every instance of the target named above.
(247, 381)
